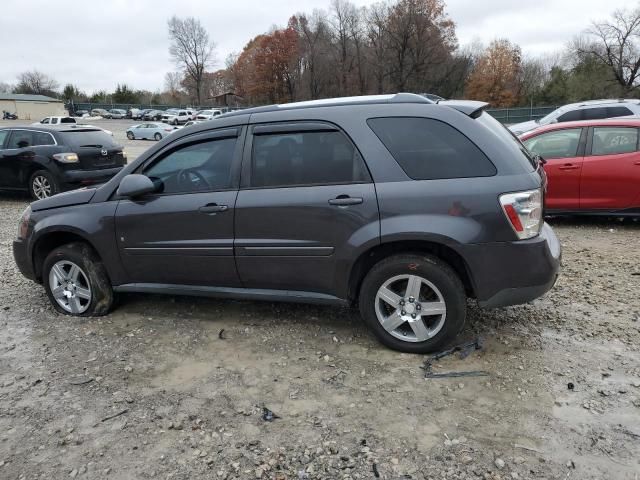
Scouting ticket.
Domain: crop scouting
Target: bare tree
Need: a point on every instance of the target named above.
(192, 49)
(36, 82)
(617, 45)
(5, 87)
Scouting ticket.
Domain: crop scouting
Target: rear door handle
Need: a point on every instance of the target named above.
(213, 208)
(345, 200)
(569, 166)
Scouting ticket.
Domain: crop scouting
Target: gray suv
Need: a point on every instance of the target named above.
(393, 203)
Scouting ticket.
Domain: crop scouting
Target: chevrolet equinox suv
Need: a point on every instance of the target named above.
(393, 203)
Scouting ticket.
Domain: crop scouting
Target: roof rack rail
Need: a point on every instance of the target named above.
(340, 101)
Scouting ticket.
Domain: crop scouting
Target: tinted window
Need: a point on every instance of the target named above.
(21, 139)
(618, 112)
(67, 120)
(571, 116)
(556, 144)
(428, 149)
(595, 113)
(509, 140)
(3, 136)
(612, 140)
(88, 138)
(195, 168)
(42, 138)
(309, 158)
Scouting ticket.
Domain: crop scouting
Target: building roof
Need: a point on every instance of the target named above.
(23, 97)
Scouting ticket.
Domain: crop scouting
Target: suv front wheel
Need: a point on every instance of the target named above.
(413, 303)
(76, 281)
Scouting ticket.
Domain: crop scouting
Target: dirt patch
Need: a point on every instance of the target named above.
(152, 391)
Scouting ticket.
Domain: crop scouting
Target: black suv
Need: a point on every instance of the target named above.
(47, 160)
(393, 203)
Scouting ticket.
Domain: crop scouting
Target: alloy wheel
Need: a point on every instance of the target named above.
(410, 308)
(70, 287)
(41, 187)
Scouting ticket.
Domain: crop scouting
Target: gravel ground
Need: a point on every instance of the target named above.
(174, 387)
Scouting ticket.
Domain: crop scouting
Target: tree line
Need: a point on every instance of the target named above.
(393, 46)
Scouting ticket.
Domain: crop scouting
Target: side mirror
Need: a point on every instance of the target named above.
(135, 185)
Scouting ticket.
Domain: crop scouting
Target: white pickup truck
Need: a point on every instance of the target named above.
(66, 121)
(177, 117)
(56, 121)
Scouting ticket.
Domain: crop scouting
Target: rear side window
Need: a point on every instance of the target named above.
(595, 113)
(21, 139)
(618, 112)
(42, 138)
(428, 149)
(613, 140)
(306, 158)
(88, 138)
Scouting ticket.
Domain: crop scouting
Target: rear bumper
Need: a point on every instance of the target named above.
(511, 273)
(87, 177)
(21, 257)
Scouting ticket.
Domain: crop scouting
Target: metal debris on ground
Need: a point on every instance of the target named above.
(121, 412)
(465, 350)
(81, 381)
(268, 415)
(375, 471)
(221, 335)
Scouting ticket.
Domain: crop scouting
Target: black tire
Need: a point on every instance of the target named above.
(175, 122)
(39, 178)
(430, 268)
(157, 136)
(131, 136)
(83, 256)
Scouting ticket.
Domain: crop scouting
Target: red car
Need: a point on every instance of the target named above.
(593, 166)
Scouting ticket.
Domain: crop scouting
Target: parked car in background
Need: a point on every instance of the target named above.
(56, 121)
(116, 114)
(99, 112)
(46, 160)
(208, 114)
(188, 124)
(432, 205)
(80, 113)
(134, 113)
(155, 131)
(593, 166)
(155, 115)
(589, 110)
(176, 117)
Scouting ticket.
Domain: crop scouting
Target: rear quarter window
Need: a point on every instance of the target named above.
(428, 149)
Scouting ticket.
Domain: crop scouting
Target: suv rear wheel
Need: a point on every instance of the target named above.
(413, 303)
(42, 185)
(76, 281)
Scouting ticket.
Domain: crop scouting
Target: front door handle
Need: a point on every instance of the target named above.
(569, 166)
(213, 208)
(345, 200)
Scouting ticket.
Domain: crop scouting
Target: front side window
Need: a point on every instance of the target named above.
(305, 158)
(571, 116)
(614, 140)
(595, 113)
(194, 168)
(428, 149)
(556, 144)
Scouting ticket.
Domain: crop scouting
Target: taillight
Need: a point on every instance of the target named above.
(524, 212)
(23, 226)
(66, 157)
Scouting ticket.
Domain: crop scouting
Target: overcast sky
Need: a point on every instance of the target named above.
(98, 43)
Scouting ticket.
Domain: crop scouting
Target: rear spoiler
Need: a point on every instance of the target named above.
(473, 108)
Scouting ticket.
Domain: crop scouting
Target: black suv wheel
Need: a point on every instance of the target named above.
(42, 185)
(413, 303)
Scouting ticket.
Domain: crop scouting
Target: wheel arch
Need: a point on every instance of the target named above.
(50, 240)
(375, 254)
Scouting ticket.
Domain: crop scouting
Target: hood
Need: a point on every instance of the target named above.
(520, 128)
(74, 197)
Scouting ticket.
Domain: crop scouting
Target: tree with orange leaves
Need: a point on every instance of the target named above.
(496, 77)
